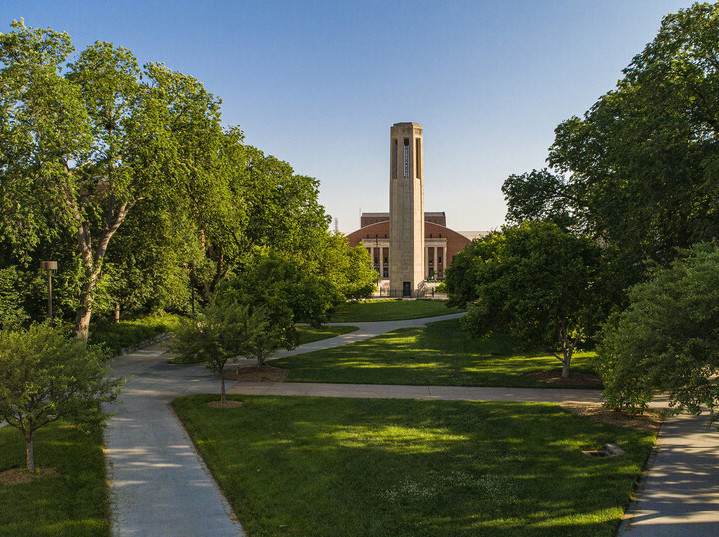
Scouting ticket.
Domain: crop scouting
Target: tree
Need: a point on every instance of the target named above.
(461, 277)
(46, 376)
(667, 340)
(224, 331)
(540, 284)
(645, 157)
(82, 144)
(541, 195)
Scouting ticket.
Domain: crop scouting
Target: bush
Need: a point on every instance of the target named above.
(115, 336)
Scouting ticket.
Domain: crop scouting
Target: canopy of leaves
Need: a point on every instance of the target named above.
(645, 157)
(668, 338)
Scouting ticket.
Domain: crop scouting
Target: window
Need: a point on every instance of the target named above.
(417, 159)
(430, 235)
(440, 235)
(406, 158)
(394, 159)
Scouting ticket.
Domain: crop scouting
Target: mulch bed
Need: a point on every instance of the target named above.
(266, 373)
(576, 379)
(17, 476)
(649, 421)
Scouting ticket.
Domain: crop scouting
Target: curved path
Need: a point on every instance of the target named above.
(159, 485)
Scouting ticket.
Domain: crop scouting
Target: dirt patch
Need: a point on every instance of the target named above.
(576, 379)
(228, 404)
(265, 373)
(650, 421)
(17, 476)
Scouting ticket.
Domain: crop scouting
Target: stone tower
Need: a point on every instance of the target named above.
(406, 209)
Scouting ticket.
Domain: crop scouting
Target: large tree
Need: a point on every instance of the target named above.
(640, 169)
(540, 284)
(645, 157)
(82, 144)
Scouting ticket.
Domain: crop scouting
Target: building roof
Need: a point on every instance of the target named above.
(471, 235)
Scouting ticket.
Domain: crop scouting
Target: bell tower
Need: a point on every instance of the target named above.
(406, 209)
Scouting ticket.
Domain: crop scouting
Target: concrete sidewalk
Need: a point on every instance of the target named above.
(392, 391)
(679, 492)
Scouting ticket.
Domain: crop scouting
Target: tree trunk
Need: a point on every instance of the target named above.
(30, 453)
(222, 388)
(117, 312)
(565, 368)
(84, 312)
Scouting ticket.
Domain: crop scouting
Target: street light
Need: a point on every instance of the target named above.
(49, 266)
(192, 265)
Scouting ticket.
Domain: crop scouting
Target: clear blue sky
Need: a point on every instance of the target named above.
(319, 83)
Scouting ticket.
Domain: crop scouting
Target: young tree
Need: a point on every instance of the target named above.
(539, 283)
(667, 339)
(47, 376)
(223, 332)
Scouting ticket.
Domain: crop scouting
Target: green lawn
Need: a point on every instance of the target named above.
(308, 334)
(440, 354)
(73, 504)
(391, 310)
(300, 466)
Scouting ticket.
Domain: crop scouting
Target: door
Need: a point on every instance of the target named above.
(407, 289)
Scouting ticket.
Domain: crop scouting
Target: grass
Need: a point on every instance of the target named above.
(391, 310)
(73, 504)
(327, 467)
(115, 336)
(308, 334)
(440, 354)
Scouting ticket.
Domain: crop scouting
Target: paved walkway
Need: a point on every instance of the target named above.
(160, 486)
(679, 492)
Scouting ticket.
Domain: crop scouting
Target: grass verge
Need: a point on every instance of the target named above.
(345, 467)
(440, 354)
(72, 504)
(391, 310)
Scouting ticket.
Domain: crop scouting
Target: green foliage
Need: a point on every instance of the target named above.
(347, 269)
(12, 313)
(224, 331)
(461, 275)
(395, 467)
(441, 288)
(667, 339)
(46, 376)
(644, 157)
(541, 195)
(74, 503)
(287, 292)
(114, 336)
(540, 284)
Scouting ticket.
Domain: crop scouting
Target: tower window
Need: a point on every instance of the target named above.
(406, 158)
(394, 159)
(417, 159)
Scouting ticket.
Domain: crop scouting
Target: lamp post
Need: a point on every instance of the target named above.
(49, 266)
(192, 265)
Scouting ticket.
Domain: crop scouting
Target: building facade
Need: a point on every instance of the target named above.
(408, 245)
